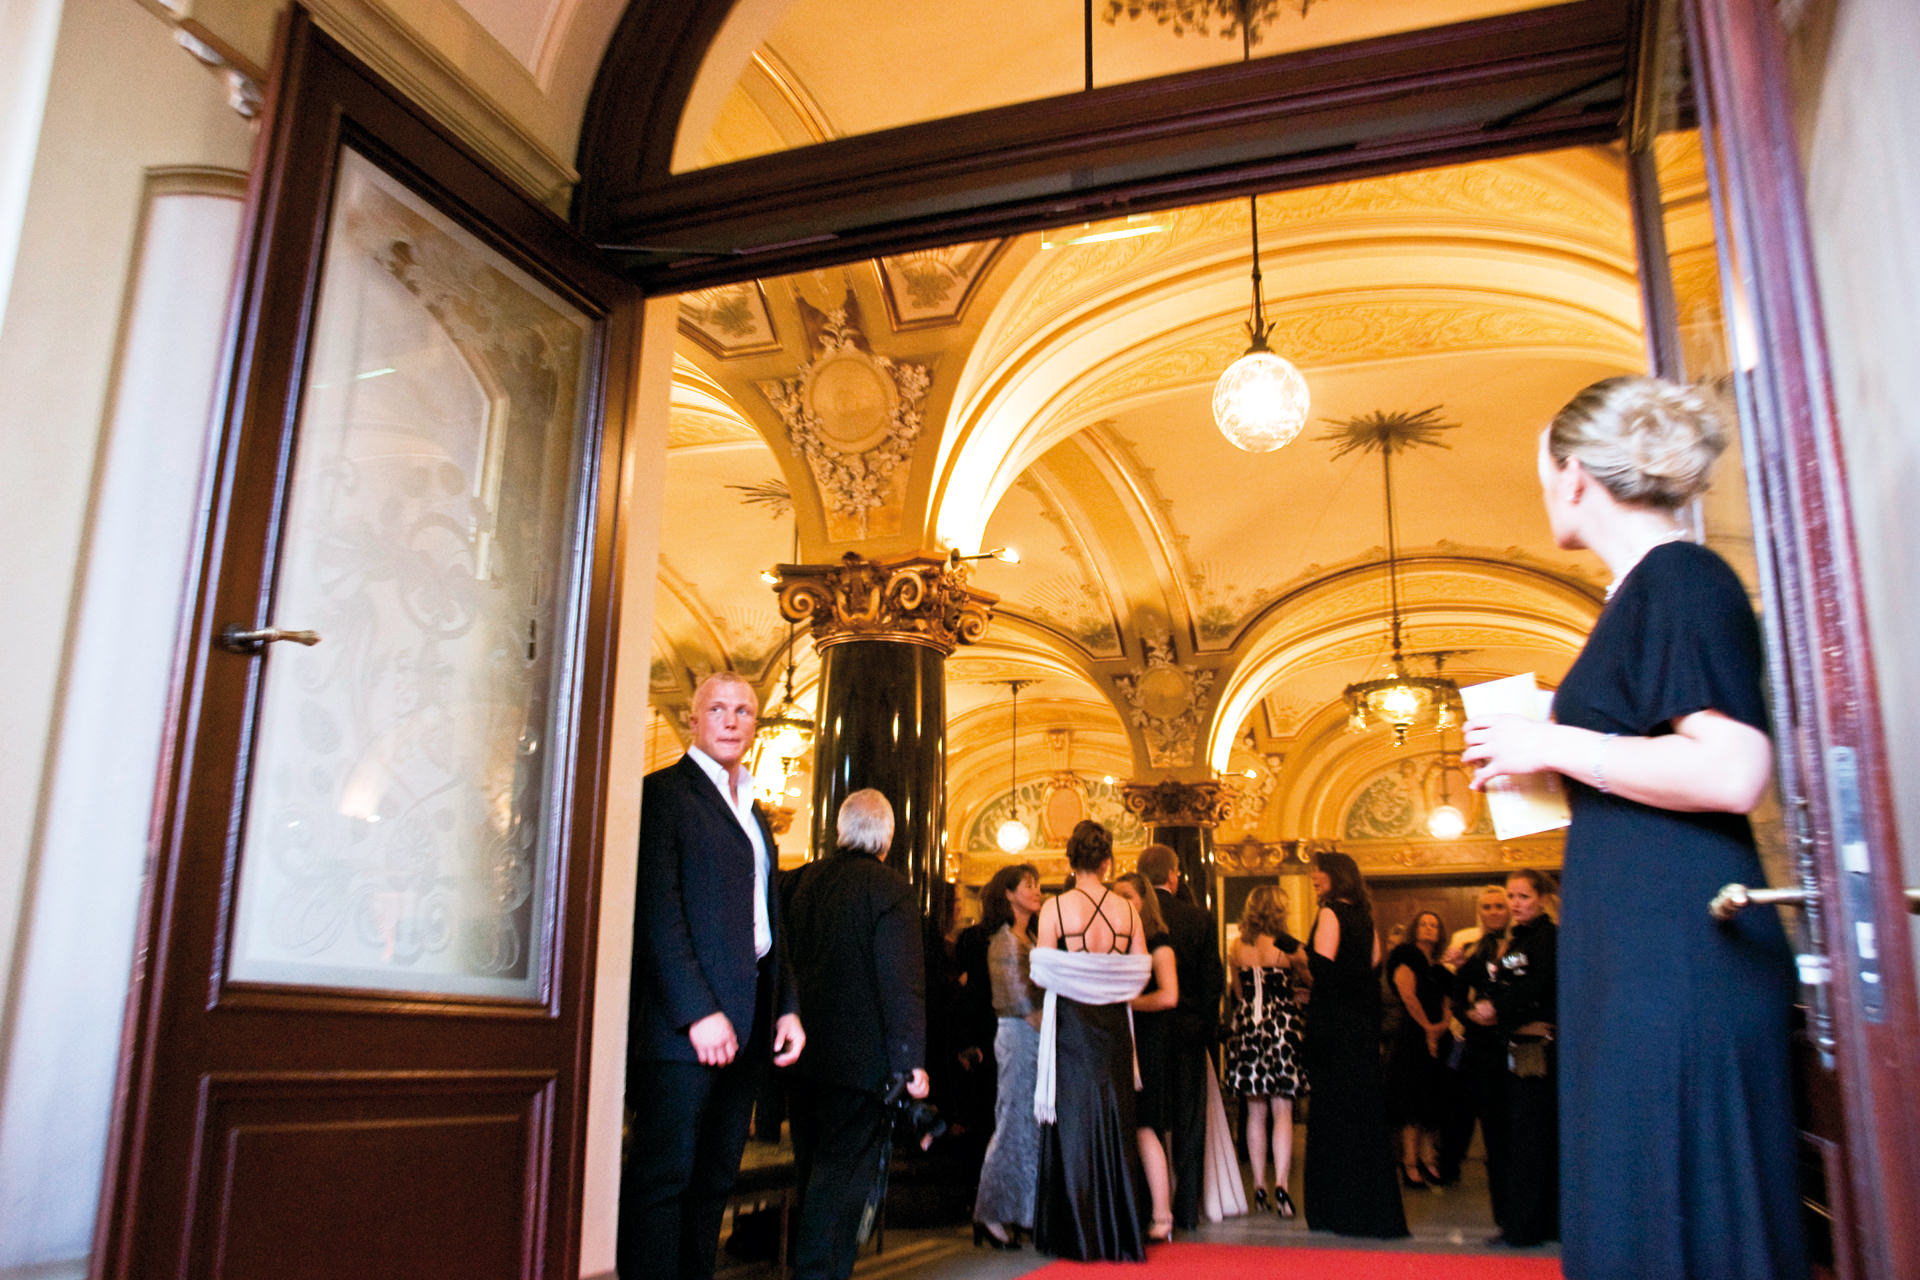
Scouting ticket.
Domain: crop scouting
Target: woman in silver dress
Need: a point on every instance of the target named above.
(1003, 1205)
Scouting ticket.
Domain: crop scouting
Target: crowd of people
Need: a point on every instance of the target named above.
(1090, 1053)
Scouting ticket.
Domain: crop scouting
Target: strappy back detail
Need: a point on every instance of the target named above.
(1123, 940)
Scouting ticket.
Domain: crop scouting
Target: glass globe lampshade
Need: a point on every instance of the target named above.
(1013, 836)
(1446, 822)
(1260, 403)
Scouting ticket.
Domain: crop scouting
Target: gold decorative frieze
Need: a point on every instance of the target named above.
(914, 599)
(1179, 804)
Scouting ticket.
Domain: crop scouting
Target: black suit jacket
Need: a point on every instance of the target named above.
(856, 958)
(693, 917)
(1196, 955)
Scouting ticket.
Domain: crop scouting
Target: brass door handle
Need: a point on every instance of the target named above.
(1732, 898)
(236, 639)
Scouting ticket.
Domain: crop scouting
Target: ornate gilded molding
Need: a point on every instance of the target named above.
(1169, 700)
(853, 414)
(1179, 804)
(913, 599)
(1251, 855)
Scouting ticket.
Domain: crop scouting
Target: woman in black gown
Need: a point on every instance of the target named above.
(1349, 1175)
(1676, 1116)
(1417, 983)
(1088, 1203)
(1153, 1052)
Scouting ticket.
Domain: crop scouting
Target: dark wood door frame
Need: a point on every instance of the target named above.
(1552, 77)
(207, 1067)
(1528, 81)
(1839, 804)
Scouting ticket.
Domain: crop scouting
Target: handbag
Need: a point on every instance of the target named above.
(1527, 1050)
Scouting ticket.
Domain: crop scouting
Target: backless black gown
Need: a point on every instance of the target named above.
(1350, 1181)
(1677, 1147)
(1092, 1187)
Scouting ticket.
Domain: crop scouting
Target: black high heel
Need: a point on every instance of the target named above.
(1260, 1198)
(1282, 1202)
(982, 1236)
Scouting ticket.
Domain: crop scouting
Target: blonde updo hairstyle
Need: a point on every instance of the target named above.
(1648, 442)
(1264, 915)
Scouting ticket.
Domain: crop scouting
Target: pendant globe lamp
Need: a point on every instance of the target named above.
(1260, 403)
(1013, 835)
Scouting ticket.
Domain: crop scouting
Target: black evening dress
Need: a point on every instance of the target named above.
(1350, 1182)
(1153, 1045)
(1413, 1075)
(1677, 1142)
(1088, 1203)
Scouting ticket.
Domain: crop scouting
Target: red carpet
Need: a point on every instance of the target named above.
(1179, 1261)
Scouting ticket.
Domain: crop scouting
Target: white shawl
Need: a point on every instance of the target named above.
(1090, 978)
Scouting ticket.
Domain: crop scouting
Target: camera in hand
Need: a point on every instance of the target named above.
(921, 1118)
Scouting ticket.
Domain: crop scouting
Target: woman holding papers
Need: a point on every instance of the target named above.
(1091, 958)
(1676, 1117)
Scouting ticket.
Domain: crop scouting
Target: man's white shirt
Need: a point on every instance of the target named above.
(742, 811)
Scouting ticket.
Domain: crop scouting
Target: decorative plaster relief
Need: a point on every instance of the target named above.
(931, 287)
(730, 320)
(855, 417)
(691, 428)
(1102, 801)
(1168, 700)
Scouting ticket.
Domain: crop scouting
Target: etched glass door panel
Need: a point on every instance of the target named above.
(401, 819)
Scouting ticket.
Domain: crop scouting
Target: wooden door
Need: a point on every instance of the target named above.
(1712, 74)
(357, 1041)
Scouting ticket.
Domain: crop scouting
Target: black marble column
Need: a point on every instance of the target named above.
(883, 724)
(883, 629)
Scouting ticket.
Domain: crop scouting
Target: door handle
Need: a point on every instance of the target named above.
(1732, 898)
(236, 639)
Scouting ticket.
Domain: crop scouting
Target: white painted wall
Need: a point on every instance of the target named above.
(81, 483)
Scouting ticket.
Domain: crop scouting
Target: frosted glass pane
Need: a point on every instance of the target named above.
(402, 819)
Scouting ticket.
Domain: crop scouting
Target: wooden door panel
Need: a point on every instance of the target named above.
(389, 1080)
(315, 1177)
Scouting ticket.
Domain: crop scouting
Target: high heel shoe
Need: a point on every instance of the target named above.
(1410, 1175)
(1282, 1202)
(984, 1234)
(1160, 1231)
(1260, 1199)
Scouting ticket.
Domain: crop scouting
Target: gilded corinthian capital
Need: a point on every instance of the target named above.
(917, 599)
(1179, 804)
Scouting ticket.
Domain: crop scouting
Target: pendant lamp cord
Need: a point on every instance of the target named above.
(1393, 558)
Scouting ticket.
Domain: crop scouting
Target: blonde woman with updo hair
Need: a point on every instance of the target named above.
(1678, 1152)
(1262, 1056)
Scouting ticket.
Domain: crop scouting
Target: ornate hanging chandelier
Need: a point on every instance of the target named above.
(1401, 700)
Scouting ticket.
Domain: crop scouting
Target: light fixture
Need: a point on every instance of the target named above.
(1013, 835)
(786, 734)
(1260, 403)
(1006, 555)
(1447, 820)
(1401, 700)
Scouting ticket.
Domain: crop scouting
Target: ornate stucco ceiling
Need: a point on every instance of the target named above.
(1184, 609)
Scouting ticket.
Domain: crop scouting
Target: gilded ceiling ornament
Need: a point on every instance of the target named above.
(854, 415)
(1179, 804)
(1168, 699)
(913, 599)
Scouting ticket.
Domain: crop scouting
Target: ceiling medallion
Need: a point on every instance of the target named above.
(1401, 700)
(854, 415)
(1168, 700)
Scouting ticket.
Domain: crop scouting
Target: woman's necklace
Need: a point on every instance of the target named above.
(1671, 535)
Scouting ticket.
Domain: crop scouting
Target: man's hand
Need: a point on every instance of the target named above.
(917, 1084)
(789, 1038)
(1483, 1013)
(713, 1040)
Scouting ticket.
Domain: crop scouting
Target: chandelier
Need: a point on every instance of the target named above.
(1446, 818)
(1013, 835)
(1401, 700)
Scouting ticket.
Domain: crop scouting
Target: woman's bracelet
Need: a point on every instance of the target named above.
(1600, 763)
